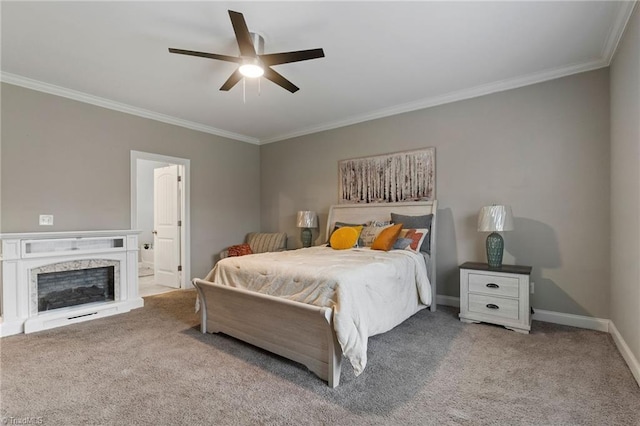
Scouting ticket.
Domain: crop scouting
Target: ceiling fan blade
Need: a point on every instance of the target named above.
(242, 34)
(270, 74)
(287, 57)
(206, 55)
(232, 81)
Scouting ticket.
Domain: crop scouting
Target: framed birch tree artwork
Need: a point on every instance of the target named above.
(389, 178)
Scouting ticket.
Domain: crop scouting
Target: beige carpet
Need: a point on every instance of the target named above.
(152, 366)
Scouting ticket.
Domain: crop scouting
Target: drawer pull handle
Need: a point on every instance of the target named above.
(493, 285)
(492, 306)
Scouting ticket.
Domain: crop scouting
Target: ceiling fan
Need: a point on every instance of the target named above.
(252, 60)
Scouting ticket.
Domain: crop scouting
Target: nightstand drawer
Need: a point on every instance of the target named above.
(495, 285)
(494, 306)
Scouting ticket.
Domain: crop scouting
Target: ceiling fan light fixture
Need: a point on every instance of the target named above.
(251, 69)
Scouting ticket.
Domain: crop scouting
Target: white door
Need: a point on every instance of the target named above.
(166, 226)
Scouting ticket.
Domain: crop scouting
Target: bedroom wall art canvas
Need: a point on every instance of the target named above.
(389, 178)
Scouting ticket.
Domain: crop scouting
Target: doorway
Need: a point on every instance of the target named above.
(160, 210)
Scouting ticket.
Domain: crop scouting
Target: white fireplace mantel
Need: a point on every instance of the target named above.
(24, 252)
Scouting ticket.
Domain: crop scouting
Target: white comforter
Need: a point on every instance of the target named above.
(369, 291)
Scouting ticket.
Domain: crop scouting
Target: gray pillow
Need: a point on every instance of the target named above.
(409, 222)
(402, 243)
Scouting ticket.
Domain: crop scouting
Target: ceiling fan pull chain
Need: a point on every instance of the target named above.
(259, 87)
(244, 90)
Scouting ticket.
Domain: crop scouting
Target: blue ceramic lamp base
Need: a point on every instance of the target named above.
(305, 236)
(495, 249)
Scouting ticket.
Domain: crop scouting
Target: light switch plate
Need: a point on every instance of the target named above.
(46, 219)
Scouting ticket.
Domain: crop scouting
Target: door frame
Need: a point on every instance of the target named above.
(185, 204)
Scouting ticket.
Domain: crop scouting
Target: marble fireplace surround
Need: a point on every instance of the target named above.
(25, 255)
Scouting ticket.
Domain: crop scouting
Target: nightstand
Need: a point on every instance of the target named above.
(495, 295)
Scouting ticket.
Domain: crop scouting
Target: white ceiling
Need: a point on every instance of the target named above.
(382, 58)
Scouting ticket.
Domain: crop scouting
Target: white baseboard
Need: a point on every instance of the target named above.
(625, 351)
(580, 321)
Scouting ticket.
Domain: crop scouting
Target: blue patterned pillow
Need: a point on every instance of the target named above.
(402, 243)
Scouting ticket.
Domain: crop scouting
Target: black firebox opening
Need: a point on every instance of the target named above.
(70, 288)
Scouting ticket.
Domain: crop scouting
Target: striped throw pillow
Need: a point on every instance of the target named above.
(262, 242)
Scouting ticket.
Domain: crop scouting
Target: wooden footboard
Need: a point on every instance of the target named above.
(297, 331)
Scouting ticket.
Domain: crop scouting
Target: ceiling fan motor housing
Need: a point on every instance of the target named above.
(252, 66)
(258, 43)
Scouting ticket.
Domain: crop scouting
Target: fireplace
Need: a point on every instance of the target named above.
(59, 278)
(75, 282)
(76, 287)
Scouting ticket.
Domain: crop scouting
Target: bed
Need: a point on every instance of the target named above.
(291, 310)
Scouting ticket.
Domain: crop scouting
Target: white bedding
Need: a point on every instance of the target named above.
(370, 291)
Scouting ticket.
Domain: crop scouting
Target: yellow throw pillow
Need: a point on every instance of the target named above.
(369, 234)
(386, 239)
(344, 238)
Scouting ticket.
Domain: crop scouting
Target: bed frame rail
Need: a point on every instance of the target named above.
(297, 331)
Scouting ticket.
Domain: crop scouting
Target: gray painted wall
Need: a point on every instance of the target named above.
(625, 186)
(72, 160)
(543, 149)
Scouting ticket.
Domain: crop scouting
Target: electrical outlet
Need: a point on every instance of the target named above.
(46, 219)
(533, 287)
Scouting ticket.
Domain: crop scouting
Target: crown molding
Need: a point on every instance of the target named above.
(52, 89)
(460, 95)
(617, 30)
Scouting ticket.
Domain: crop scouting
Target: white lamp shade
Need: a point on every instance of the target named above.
(495, 218)
(307, 219)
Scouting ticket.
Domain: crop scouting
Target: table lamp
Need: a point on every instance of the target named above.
(495, 219)
(307, 219)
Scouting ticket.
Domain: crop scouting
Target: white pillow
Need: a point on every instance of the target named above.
(417, 235)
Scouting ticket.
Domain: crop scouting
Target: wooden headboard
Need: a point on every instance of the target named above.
(362, 213)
